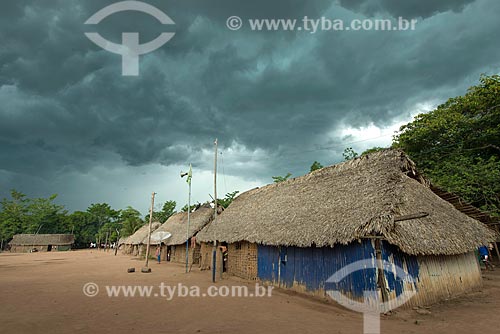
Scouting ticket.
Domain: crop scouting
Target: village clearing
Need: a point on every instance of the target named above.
(42, 292)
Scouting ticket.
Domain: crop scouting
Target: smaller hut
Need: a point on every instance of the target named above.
(134, 244)
(174, 248)
(23, 243)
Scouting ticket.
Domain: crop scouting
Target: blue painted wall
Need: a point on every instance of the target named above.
(394, 255)
(312, 266)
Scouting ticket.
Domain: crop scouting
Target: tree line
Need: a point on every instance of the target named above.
(99, 223)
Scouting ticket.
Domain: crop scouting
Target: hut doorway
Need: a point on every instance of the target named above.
(224, 251)
(49, 248)
(169, 251)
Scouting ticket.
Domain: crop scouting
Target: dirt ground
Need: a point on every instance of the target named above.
(42, 292)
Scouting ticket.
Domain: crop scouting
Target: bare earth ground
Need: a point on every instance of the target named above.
(42, 293)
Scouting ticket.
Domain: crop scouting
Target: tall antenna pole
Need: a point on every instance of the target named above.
(150, 223)
(215, 214)
(189, 177)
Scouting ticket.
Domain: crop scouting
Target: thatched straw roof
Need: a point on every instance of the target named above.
(139, 235)
(177, 224)
(161, 228)
(42, 239)
(359, 198)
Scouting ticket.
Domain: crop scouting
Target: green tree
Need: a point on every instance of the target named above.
(14, 218)
(349, 154)
(45, 216)
(167, 210)
(106, 219)
(316, 165)
(228, 199)
(24, 215)
(456, 145)
(193, 206)
(131, 221)
(82, 226)
(278, 179)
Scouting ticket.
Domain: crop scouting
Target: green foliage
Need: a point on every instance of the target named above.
(168, 209)
(14, 215)
(131, 221)
(315, 166)
(20, 214)
(457, 145)
(224, 202)
(373, 150)
(185, 207)
(106, 219)
(80, 223)
(349, 154)
(278, 179)
(228, 199)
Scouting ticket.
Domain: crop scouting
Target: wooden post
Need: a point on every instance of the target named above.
(214, 256)
(495, 243)
(117, 240)
(380, 270)
(150, 223)
(106, 242)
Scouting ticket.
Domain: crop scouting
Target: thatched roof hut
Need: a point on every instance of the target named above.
(41, 242)
(379, 194)
(42, 239)
(138, 237)
(177, 224)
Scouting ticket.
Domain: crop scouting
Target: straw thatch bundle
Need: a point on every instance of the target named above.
(177, 224)
(42, 239)
(364, 197)
(138, 237)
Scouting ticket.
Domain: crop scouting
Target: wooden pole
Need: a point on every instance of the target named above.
(106, 242)
(150, 223)
(188, 223)
(117, 240)
(495, 243)
(214, 254)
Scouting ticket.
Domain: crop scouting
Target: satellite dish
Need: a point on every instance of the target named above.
(160, 236)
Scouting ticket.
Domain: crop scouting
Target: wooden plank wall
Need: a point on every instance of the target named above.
(444, 277)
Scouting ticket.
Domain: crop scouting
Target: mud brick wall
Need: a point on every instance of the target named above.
(178, 254)
(206, 250)
(242, 260)
(206, 258)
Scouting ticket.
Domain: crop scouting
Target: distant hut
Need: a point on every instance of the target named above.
(22, 243)
(134, 244)
(298, 233)
(174, 248)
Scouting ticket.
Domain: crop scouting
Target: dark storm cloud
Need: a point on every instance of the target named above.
(272, 98)
(406, 8)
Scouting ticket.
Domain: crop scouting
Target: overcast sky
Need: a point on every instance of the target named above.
(71, 124)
